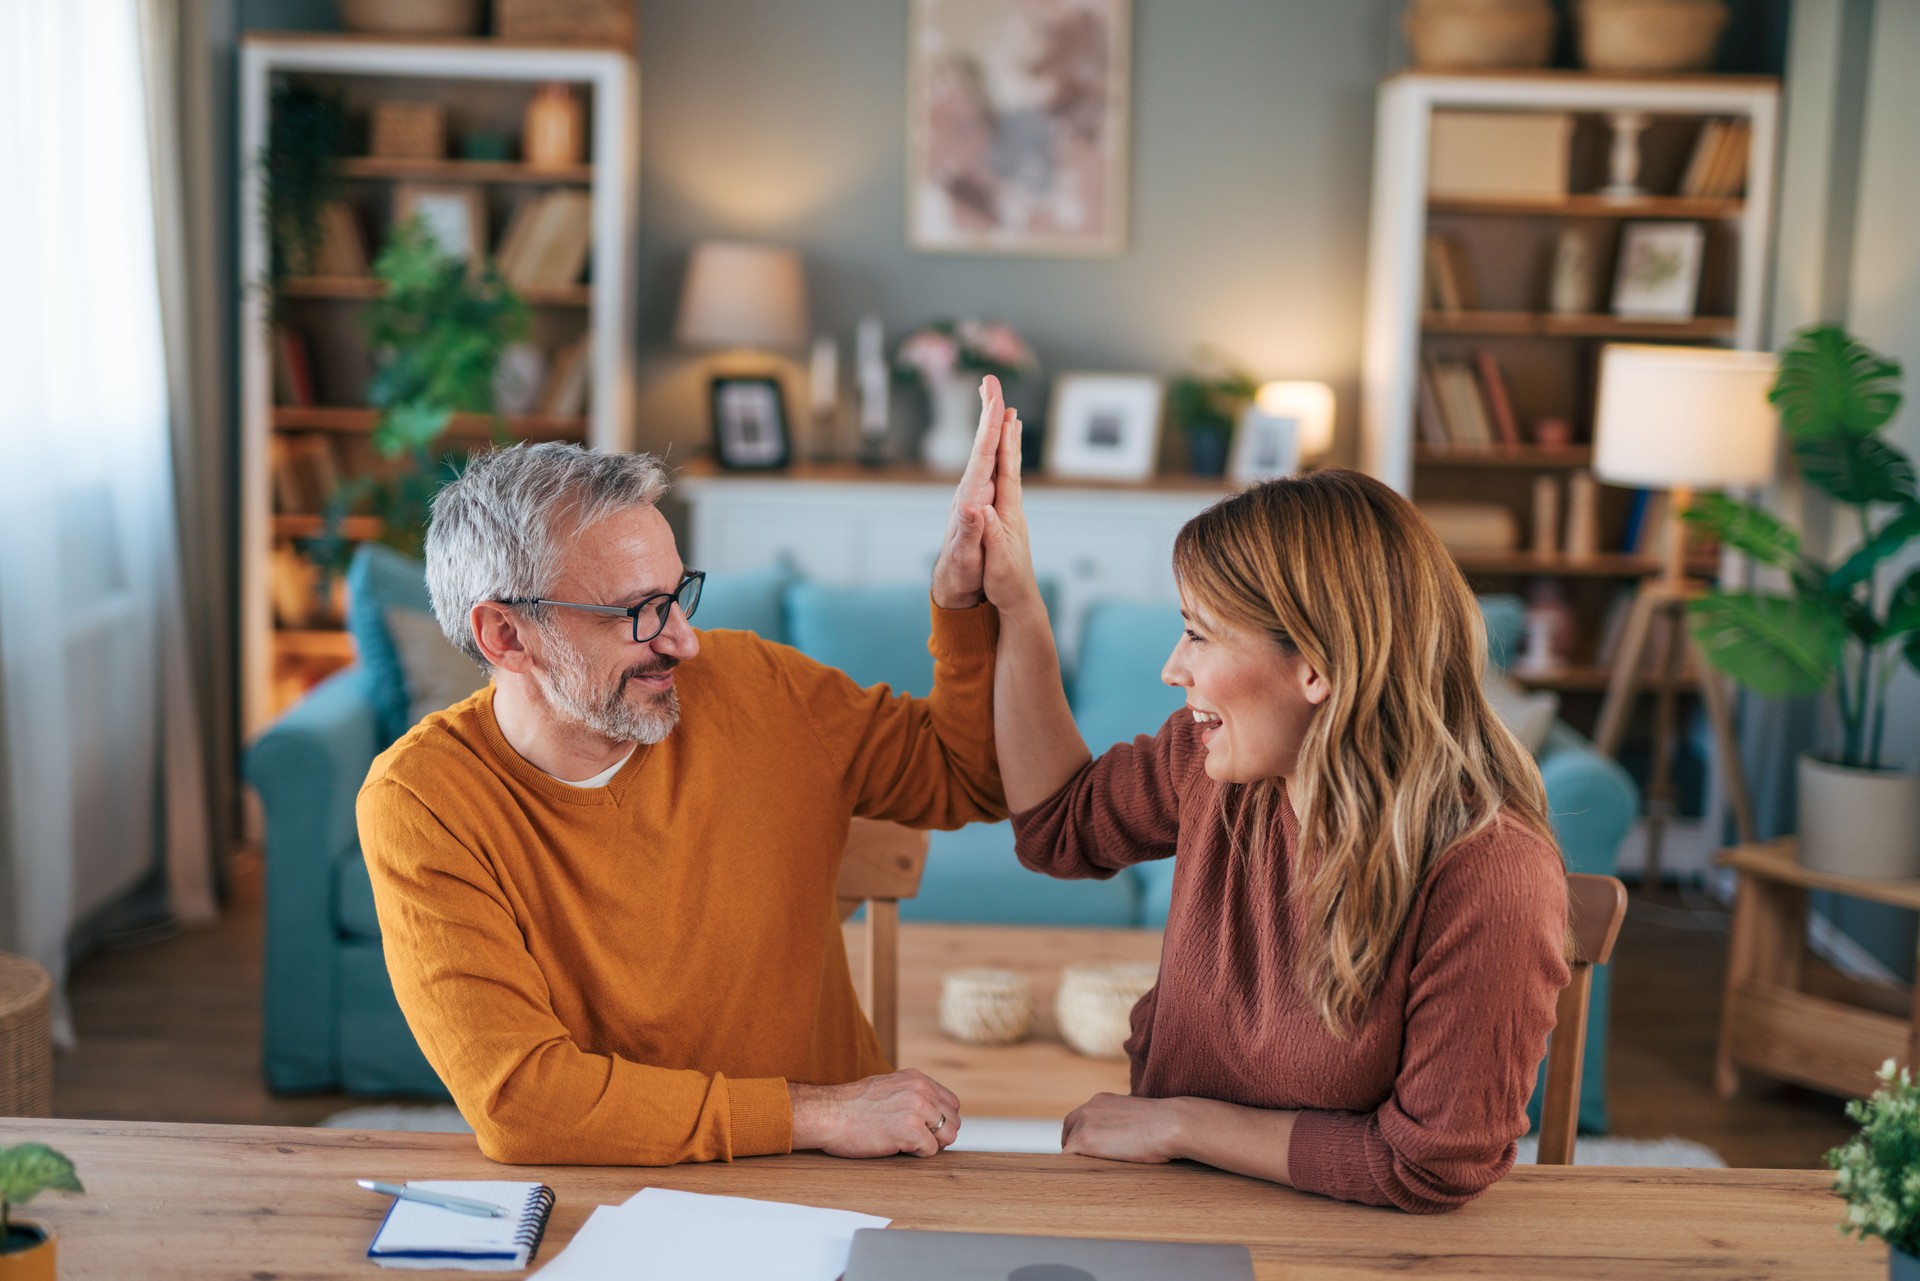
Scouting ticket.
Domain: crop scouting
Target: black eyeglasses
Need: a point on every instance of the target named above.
(656, 607)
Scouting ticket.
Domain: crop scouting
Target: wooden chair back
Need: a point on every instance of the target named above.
(1595, 905)
(882, 865)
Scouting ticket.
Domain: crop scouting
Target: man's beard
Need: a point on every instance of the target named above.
(567, 681)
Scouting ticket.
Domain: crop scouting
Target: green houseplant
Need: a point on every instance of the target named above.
(1877, 1172)
(27, 1250)
(437, 329)
(307, 134)
(1838, 626)
(1206, 403)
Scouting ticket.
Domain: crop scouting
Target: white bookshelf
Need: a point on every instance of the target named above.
(475, 77)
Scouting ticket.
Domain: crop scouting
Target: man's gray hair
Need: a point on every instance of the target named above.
(501, 530)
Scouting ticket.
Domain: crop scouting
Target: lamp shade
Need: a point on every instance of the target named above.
(1684, 417)
(1310, 405)
(742, 295)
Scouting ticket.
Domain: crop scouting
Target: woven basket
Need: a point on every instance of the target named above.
(411, 17)
(409, 131)
(986, 1007)
(1650, 35)
(1095, 1006)
(596, 22)
(26, 1038)
(1479, 34)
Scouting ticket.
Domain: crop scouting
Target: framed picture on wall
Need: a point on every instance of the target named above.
(750, 424)
(1104, 426)
(456, 216)
(1017, 126)
(1658, 276)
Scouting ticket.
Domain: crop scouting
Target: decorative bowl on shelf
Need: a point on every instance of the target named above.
(1650, 35)
(1465, 35)
(411, 17)
(986, 1006)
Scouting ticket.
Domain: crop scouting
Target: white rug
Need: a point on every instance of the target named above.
(1006, 1134)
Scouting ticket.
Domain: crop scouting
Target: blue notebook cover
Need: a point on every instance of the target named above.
(417, 1235)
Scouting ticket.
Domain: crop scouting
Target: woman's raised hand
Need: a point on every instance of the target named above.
(1008, 578)
(959, 573)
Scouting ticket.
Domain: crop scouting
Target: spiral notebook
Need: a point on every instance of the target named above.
(417, 1235)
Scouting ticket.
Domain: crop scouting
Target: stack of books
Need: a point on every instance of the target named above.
(1465, 404)
(1718, 168)
(547, 241)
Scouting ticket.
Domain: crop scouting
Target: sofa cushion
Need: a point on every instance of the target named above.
(876, 635)
(378, 1055)
(379, 579)
(353, 914)
(1117, 691)
(437, 675)
(972, 875)
(1506, 619)
(747, 600)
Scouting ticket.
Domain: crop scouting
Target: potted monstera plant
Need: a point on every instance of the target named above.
(27, 1170)
(1841, 626)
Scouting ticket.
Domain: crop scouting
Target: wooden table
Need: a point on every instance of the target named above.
(275, 1204)
(1770, 1023)
(1040, 1077)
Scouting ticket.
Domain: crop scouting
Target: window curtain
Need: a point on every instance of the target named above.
(99, 738)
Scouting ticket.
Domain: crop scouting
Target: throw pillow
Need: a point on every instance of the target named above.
(437, 675)
(1528, 715)
(379, 578)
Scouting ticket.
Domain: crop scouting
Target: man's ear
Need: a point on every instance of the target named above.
(502, 637)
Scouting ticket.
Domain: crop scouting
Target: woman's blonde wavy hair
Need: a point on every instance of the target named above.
(1405, 758)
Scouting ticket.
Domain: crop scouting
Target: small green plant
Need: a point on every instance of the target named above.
(1834, 630)
(27, 1170)
(437, 330)
(307, 134)
(1877, 1171)
(1211, 397)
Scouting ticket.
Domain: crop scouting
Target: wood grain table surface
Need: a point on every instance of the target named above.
(260, 1203)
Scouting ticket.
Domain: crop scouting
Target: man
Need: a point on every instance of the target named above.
(606, 881)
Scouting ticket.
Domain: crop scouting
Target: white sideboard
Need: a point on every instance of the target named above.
(846, 527)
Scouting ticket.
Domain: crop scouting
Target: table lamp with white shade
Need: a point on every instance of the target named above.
(743, 297)
(1679, 419)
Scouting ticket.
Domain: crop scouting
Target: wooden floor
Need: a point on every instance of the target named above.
(170, 1031)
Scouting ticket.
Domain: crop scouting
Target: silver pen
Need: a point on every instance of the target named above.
(458, 1204)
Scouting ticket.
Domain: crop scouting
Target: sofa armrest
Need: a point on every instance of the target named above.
(307, 769)
(1590, 800)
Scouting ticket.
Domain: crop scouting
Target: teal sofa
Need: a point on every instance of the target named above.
(331, 1021)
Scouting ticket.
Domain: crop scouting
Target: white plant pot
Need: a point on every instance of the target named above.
(1859, 822)
(955, 404)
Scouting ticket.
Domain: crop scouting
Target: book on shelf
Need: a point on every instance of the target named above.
(343, 249)
(1499, 403)
(305, 473)
(1448, 287)
(565, 395)
(1433, 425)
(1717, 169)
(1464, 414)
(292, 369)
(547, 241)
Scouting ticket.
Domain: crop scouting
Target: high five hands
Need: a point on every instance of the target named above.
(984, 554)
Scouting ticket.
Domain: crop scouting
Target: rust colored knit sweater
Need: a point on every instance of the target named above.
(631, 974)
(1420, 1107)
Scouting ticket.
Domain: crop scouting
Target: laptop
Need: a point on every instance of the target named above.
(892, 1253)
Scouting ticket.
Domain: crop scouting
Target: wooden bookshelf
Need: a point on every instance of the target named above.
(1590, 678)
(1523, 458)
(361, 422)
(486, 171)
(360, 288)
(1540, 324)
(1592, 206)
(292, 455)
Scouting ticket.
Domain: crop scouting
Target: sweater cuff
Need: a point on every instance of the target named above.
(760, 1116)
(1328, 1155)
(960, 635)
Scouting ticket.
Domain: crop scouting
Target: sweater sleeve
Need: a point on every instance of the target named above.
(1121, 808)
(1490, 964)
(921, 762)
(481, 1010)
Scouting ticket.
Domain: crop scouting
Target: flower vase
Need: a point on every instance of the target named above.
(954, 404)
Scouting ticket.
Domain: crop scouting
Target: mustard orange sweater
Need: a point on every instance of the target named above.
(631, 974)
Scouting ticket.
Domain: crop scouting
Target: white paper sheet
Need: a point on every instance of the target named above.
(662, 1235)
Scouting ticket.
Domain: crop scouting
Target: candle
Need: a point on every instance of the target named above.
(823, 376)
(871, 371)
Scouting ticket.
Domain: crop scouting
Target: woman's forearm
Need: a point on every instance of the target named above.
(1227, 1136)
(1039, 746)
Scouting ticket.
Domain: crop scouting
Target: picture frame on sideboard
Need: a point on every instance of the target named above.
(750, 430)
(1104, 426)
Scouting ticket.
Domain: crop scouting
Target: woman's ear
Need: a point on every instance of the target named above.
(1314, 686)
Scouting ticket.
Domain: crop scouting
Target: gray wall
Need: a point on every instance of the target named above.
(1252, 138)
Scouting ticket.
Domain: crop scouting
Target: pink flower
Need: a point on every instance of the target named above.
(932, 353)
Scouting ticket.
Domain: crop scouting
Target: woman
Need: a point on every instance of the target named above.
(1369, 920)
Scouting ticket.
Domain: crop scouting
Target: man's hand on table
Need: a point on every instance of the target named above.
(901, 1112)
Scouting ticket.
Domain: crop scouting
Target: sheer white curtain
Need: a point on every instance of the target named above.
(91, 629)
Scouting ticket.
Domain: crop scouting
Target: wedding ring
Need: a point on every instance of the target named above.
(939, 1125)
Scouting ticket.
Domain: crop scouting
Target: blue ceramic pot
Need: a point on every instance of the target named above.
(1207, 451)
(1902, 1266)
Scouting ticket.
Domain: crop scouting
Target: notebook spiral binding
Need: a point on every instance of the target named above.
(533, 1219)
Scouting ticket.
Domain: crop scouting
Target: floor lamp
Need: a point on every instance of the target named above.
(1678, 419)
